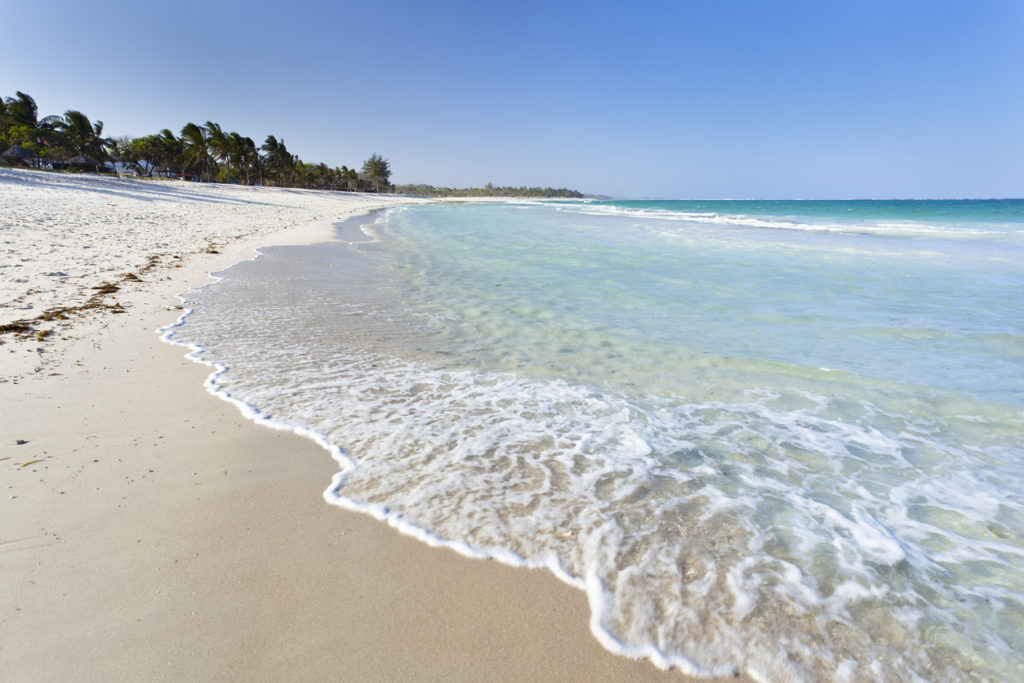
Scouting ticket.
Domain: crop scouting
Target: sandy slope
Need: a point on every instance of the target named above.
(62, 236)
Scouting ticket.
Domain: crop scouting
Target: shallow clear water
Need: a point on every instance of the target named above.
(779, 437)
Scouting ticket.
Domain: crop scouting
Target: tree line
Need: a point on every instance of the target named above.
(488, 190)
(204, 152)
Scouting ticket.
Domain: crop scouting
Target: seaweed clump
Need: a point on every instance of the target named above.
(25, 328)
(17, 327)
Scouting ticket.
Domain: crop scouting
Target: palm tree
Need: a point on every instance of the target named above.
(171, 152)
(350, 178)
(80, 136)
(244, 155)
(24, 126)
(235, 155)
(247, 156)
(238, 154)
(196, 146)
(323, 175)
(279, 161)
(219, 144)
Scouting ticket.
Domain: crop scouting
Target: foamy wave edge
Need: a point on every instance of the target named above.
(591, 584)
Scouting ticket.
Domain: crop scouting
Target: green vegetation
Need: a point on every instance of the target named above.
(206, 153)
(488, 190)
(377, 170)
(66, 136)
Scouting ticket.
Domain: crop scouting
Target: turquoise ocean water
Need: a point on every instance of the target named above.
(785, 438)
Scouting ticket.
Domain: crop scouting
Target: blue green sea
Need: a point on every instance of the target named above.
(784, 438)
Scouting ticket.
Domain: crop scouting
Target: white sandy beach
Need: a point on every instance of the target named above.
(63, 235)
(150, 532)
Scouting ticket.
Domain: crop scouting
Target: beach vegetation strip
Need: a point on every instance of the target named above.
(207, 152)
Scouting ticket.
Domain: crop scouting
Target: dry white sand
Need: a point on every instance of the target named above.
(149, 532)
(62, 235)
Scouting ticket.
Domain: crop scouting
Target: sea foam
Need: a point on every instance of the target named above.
(493, 386)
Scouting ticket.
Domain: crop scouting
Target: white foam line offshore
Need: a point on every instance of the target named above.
(891, 228)
(719, 219)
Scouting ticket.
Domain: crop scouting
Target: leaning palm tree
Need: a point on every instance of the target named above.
(197, 149)
(24, 126)
(170, 151)
(250, 157)
(219, 144)
(242, 154)
(270, 146)
(279, 160)
(234, 155)
(78, 135)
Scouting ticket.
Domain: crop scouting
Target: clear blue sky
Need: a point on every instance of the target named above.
(684, 99)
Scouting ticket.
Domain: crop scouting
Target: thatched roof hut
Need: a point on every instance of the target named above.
(80, 162)
(18, 152)
(17, 155)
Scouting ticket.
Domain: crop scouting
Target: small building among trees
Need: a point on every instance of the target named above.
(80, 163)
(17, 156)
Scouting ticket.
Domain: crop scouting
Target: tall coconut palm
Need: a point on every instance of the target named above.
(279, 160)
(243, 154)
(78, 135)
(170, 151)
(235, 157)
(196, 145)
(219, 144)
(22, 113)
